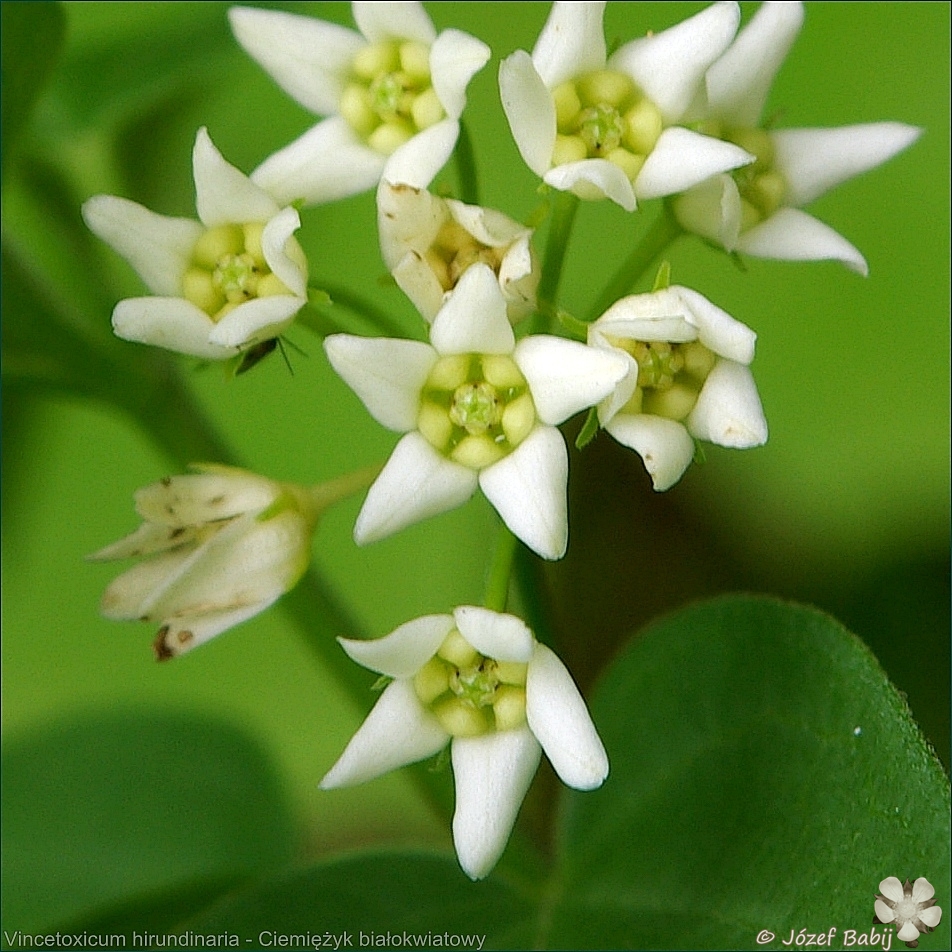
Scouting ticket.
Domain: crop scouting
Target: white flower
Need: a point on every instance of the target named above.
(756, 210)
(477, 409)
(233, 279)
(687, 379)
(479, 681)
(428, 242)
(910, 905)
(217, 546)
(614, 128)
(393, 89)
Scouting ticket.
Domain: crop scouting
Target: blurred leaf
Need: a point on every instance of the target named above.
(379, 893)
(32, 38)
(103, 808)
(765, 775)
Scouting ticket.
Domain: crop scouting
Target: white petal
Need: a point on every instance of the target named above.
(488, 226)
(922, 890)
(571, 43)
(711, 210)
(625, 389)
(274, 241)
(256, 320)
(148, 539)
(398, 731)
(530, 110)
(883, 912)
(527, 488)
(405, 650)
(495, 635)
(419, 283)
(892, 889)
(172, 323)
(455, 58)
(665, 445)
(492, 774)
(930, 917)
(387, 374)
(566, 376)
(908, 933)
(198, 498)
(716, 329)
(328, 162)
(669, 66)
(682, 159)
(815, 160)
(178, 635)
(129, 596)
(728, 410)
(309, 59)
(158, 247)
(224, 195)
(738, 83)
(792, 235)
(408, 219)
(418, 160)
(416, 483)
(393, 21)
(653, 316)
(558, 717)
(592, 180)
(473, 320)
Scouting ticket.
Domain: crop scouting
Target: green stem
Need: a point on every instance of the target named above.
(662, 233)
(465, 158)
(324, 495)
(560, 230)
(500, 571)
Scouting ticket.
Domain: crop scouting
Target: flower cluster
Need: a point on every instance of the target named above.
(673, 115)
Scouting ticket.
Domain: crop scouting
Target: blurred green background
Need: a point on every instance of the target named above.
(846, 507)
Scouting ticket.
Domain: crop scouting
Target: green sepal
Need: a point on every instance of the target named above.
(588, 431)
(662, 279)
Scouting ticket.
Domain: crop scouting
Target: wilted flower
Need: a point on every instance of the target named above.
(480, 682)
(477, 409)
(233, 279)
(756, 210)
(615, 128)
(688, 379)
(428, 242)
(911, 906)
(393, 89)
(217, 547)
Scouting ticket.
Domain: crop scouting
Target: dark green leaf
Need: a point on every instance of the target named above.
(105, 808)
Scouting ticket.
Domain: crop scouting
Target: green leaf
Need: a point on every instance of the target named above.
(104, 808)
(32, 38)
(765, 775)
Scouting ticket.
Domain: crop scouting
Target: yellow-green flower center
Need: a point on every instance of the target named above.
(476, 408)
(454, 249)
(228, 268)
(603, 115)
(670, 376)
(390, 97)
(469, 693)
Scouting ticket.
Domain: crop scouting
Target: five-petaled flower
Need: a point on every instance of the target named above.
(756, 209)
(477, 408)
(615, 127)
(428, 242)
(233, 279)
(393, 89)
(218, 546)
(688, 379)
(480, 682)
(911, 906)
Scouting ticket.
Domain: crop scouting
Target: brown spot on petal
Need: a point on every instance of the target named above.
(184, 637)
(160, 647)
(166, 481)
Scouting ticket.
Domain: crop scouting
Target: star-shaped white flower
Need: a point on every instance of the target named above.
(911, 906)
(688, 378)
(233, 279)
(613, 127)
(428, 242)
(218, 546)
(757, 209)
(477, 408)
(480, 682)
(395, 89)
